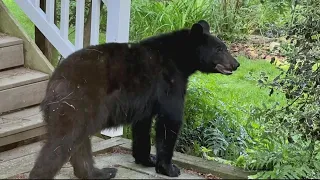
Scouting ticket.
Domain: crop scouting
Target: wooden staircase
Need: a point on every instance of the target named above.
(21, 91)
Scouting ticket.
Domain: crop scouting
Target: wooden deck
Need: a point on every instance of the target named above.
(17, 163)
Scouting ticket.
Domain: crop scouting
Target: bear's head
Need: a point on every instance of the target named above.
(211, 53)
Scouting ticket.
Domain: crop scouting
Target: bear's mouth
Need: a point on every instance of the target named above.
(223, 70)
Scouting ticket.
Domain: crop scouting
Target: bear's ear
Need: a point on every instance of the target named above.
(196, 29)
(205, 25)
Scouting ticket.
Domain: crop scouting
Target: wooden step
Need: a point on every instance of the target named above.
(21, 87)
(11, 52)
(19, 77)
(21, 125)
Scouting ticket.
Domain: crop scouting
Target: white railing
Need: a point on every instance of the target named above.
(118, 18)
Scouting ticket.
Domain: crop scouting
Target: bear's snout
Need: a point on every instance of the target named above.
(235, 65)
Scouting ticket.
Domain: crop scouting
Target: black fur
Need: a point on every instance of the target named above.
(112, 84)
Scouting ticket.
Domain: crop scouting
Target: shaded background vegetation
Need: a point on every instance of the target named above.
(265, 117)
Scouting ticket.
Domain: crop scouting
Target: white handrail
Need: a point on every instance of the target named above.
(118, 20)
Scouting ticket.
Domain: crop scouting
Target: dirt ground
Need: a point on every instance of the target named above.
(258, 47)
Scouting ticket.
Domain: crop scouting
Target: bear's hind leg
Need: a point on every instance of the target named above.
(82, 162)
(141, 144)
(53, 155)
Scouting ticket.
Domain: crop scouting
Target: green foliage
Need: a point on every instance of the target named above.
(274, 17)
(24, 21)
(289, 147)
(281, 159)
(230, 19)
(217, 107)
(152, 17)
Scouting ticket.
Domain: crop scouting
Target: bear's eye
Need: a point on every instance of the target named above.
(219, 49)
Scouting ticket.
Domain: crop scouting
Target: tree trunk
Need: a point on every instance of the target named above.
(87, 26)
(224, 8)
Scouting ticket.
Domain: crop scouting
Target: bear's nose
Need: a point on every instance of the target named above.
(236, 65)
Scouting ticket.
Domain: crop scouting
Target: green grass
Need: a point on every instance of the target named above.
(239, 90)
(24, 21)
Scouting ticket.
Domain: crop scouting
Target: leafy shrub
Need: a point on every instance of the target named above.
(290, 148)
(275, 16)
(210, 126)
(216, 112)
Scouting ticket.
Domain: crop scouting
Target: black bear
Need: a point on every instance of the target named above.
(113, 84)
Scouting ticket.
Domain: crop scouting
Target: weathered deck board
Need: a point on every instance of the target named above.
(22, 96)
(18, 124)
(101, 146)
(21, 125)
(20, 76)
(67, 173)
(151, 171)
(23, 113)
(18, 162)
(6, 40)
(127, 169)
(190, 162)
(127, 161)
(24, 135)
(11, 54)
(21, 160)
(34, 148)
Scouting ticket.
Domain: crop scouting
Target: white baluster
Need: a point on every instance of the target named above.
(95, 22)
(64, 22)
(79, 24)
(50, 10)
(118, 22)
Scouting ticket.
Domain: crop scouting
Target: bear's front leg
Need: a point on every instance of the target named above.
(141, 144)
(168, 126)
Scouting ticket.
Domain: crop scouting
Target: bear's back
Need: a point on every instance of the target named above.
(112, 66)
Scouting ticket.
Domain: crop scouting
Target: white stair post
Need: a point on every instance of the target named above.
(118, 22)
